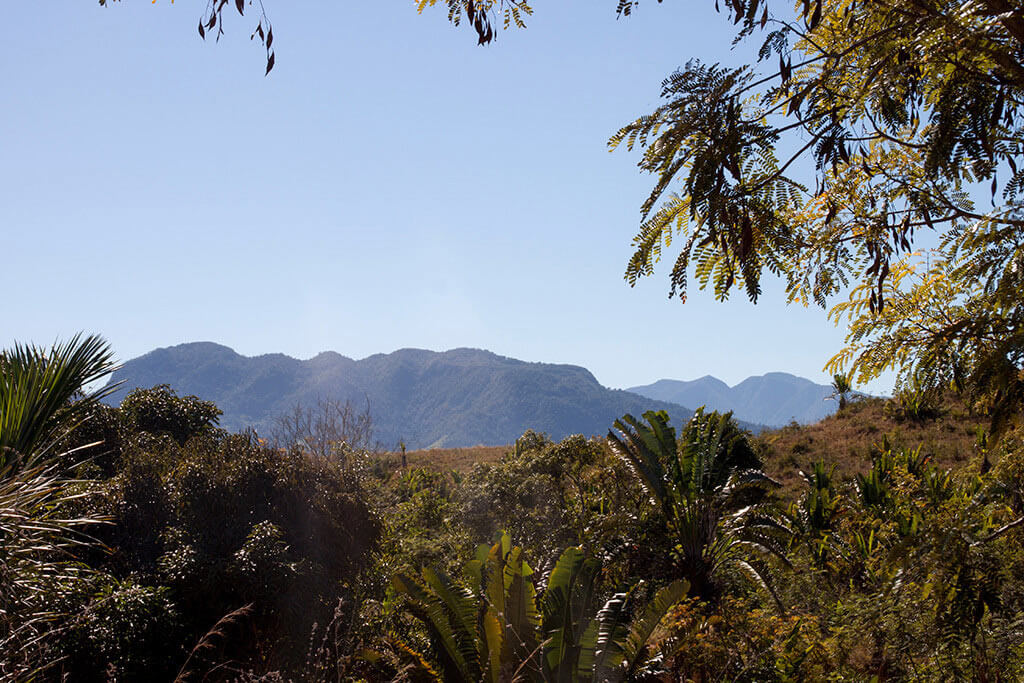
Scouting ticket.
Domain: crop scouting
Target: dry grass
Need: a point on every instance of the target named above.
(848, 439)
(458, 459)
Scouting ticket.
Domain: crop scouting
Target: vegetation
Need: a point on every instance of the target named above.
(40, 528)
(176, 550)
(704, 483)
(885, 557)
(497, 629)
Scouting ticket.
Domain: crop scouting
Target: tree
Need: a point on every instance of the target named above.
(907, 110)
(160, 410)
(330, 428)
(841, 388)
(704, 485)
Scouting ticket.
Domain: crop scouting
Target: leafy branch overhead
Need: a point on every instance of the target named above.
(902, 109)
(861, 124)
(484, 15)
(212, 22)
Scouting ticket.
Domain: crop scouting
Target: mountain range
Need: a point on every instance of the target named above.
(453, 398)
(774, 399)
(461, 397)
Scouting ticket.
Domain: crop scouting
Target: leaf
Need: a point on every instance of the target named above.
(746, 237)
(785, 69)
(240, 6)
(832, 211)
(202, 31)
(816, 16)
(270, 63)
(270, 37)
(642, 628)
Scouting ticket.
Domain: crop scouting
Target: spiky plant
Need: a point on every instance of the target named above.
(42, 399)
(41, 403)
(814, 515)
(705, 484)
(494, 627)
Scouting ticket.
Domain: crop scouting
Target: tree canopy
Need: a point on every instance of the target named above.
(909, 112)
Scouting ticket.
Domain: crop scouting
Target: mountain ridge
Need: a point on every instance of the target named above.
(459, 397)
(773, 399)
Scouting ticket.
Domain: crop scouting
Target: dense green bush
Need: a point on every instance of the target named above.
(123, 631)
(223, 522)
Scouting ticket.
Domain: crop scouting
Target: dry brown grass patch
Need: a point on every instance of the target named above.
(458, 459)
(848, 439)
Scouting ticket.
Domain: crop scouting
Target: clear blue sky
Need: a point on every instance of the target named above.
(390, 184)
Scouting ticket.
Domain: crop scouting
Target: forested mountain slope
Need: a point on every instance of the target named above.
(454, 398)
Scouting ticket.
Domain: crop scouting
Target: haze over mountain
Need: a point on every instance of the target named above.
(454, 398)
(773, 399)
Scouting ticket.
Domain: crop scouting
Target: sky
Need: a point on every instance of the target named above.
(390, 184)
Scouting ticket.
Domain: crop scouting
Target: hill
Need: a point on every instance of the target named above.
(848, 438)
(461, 397)
(774, 399)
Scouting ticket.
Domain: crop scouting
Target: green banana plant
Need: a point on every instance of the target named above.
(707, 484)
(494, 627)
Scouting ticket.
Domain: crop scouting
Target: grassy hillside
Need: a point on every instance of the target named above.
(846, 439)
(849, 437)
(442, 459)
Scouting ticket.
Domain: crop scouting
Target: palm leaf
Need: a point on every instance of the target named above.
(566, 608)
(612, 631)
(636, 648)
(432, 614)
(645, 449)
(40, 402)
(462, 615)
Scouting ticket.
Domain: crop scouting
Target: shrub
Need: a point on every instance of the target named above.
(161, 411)
(124, 631)
(224, 522)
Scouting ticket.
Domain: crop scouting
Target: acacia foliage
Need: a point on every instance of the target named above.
(901, 107)
(861, 125)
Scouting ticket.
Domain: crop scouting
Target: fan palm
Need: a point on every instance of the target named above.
(813, 517)
(705, 484)
(496, 629)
